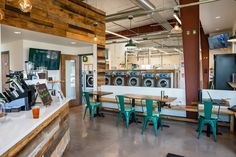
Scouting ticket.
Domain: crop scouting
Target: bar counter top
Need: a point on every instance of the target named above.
(15, 128)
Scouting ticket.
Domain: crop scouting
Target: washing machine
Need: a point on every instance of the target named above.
(119, 78)
(133, 78)
(89, 80)
(164, 80)
(108, 78)
(148, 80)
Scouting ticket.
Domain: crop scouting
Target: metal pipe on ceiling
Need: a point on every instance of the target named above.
(140, 12)
(148, 6)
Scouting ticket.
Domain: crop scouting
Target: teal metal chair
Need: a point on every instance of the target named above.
(149, 114)
(89, 105)
(124, 110)
(206, 117)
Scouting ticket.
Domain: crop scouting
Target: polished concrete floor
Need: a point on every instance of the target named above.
(102, 138)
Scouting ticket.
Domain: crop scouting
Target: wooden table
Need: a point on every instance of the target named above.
(98, 95)
(155, 98)
(233, 85)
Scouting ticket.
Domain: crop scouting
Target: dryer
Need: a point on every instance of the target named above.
(133, 78)
(89, 80)
(148, 80)
(119, 78)
(108, 78)
(164, 80)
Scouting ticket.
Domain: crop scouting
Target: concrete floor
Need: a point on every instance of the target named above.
(102, 138)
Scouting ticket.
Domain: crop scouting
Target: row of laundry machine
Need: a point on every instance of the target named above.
(139, 78)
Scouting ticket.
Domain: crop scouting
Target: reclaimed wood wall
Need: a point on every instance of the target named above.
(65, 18)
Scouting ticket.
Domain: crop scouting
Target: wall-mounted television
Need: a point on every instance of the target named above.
(45, 58)
(219, 41)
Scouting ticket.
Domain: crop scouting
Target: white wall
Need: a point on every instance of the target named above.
(40, 45)
(15, 49)
(117, 57)
(19, 53)
(166, 62)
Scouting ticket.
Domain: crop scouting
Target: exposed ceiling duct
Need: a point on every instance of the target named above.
(140, 12)
(148, 6)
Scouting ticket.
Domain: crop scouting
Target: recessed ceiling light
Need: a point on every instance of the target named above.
(217, 29)
(73, 42)
(17, 32)
(218, 17)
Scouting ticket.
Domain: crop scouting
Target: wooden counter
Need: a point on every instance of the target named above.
(21, 135)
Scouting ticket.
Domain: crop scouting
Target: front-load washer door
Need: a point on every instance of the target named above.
(133, 81)
(163, 83)
(107, 81)
(89, 82)
(148, 83)
(119, 81)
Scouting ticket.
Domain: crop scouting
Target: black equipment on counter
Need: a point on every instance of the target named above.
(18, 89)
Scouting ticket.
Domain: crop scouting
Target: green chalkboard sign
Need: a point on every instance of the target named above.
(44, 94)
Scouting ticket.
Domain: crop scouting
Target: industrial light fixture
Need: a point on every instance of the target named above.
(232, 38)
(73, 42)
(95, 38)
(177, 29)
(95, 34)
(17, 32)
(130, 45)
(2, 14)
(25, 5)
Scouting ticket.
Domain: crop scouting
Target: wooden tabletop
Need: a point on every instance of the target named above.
(56, 81)
(218, 102)
(233, 85)
(100, 93)
(155, 98)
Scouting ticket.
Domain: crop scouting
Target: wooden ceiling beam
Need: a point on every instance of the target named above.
(137, 31)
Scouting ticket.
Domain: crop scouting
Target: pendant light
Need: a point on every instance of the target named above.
(95, 31)
(176, 29)
(2, 14)
(130, 44)
(25, 5)
(232, 38)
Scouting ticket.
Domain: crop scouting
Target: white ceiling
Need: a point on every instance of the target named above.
(226, 9)
(116, 6)
(8, 35)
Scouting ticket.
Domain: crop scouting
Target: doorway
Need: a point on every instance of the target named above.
(70, 77)
(5, 59)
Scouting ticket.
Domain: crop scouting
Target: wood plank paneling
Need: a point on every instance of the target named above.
(67, 18)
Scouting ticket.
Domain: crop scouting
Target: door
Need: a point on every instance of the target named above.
(70, 76)
(5, 58)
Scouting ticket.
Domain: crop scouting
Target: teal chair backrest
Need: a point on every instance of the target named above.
(86, 98)
(121, 102)
(149, 107)
(208, 105)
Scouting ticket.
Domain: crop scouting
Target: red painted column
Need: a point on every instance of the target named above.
(190, 26)
(205, 58)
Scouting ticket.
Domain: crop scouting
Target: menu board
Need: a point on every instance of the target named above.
(44, 94)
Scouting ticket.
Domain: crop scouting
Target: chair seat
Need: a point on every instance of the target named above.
(95, 104)
(154, 113)
(129, 108)
(213, 116)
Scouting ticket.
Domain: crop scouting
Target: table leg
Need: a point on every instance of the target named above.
(98, 114)
(232, 123)
(132, 117)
